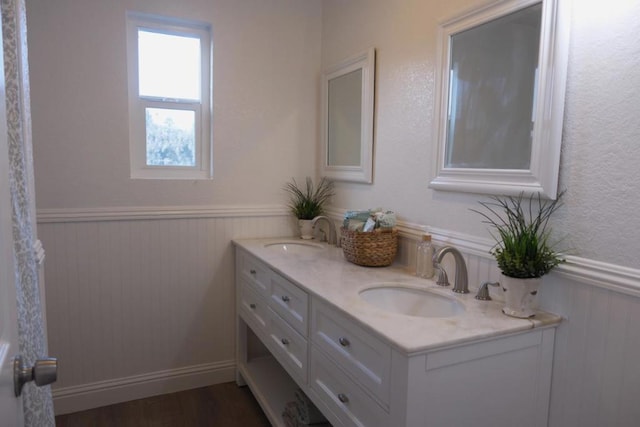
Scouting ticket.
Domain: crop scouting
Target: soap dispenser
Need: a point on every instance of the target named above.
(424, 261)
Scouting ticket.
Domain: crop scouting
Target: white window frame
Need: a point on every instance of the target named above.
(203, 168)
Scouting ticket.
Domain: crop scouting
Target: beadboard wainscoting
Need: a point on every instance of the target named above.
(140, 302)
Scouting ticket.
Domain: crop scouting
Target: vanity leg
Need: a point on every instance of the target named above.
(241, 350)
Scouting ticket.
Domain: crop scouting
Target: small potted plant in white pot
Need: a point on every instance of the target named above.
(523, 250)
(308, 203)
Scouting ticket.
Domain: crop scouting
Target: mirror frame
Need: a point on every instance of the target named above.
(363, 173)
(542, 175)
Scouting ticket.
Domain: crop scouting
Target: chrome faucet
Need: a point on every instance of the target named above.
(333, 235)
(460, 285)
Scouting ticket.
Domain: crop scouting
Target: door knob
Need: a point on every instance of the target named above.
(45, 371)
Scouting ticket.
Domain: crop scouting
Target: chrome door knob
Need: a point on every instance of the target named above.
(44, 372)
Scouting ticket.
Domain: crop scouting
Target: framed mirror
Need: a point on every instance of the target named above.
(500, 98)
(347, 119)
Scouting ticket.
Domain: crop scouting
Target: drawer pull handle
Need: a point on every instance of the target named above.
(285, 298)
(343, 398)
(252, 306)
(284, 341)
(344, 342)
(252, 271)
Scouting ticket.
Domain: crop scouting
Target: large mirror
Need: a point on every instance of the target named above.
(500, 99)
(347, 125)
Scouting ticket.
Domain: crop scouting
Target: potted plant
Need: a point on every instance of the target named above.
(523, 250)
(308, 203)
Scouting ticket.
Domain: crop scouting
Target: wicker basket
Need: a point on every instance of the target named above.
(374, 249)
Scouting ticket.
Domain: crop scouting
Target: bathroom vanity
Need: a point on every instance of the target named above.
(303, 323)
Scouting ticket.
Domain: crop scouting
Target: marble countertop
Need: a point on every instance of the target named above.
(326, 274)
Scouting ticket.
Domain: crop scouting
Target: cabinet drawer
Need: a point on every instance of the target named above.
(343, 396)
(365, 357)
(289, 347)
(254, 273)
(290, 302)
(253, 307)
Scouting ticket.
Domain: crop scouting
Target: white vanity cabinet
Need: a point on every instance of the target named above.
(274, 311)
(271, 347)
(290, 337)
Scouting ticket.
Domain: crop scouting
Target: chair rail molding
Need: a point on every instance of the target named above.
(604, 275)
(157, 212)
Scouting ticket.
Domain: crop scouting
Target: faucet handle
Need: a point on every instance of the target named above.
(443, 279)
(483, 292)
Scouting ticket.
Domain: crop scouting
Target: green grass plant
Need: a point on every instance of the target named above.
(522, 249)
(308, 202)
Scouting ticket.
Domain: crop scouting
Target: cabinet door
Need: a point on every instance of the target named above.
(290, 302)
(253, 308)
(364, 356)
(344, 397)
(254, 272)
(289, 347)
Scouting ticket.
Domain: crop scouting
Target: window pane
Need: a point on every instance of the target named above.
(171, 137)
(168, 65)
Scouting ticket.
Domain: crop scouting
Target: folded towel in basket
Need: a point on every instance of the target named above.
(369, 220)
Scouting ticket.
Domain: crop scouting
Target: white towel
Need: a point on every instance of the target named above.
(290, 414)
(308, 413)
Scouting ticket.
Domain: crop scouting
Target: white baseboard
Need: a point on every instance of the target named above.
(103, 393)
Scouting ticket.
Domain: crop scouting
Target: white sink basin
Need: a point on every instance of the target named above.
(295, 247)
(411, 302)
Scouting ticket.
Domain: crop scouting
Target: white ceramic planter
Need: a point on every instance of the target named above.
(520, 296)
(306, 228)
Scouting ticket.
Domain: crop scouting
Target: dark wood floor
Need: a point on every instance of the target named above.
(221, 405)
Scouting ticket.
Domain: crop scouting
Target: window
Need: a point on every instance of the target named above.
(169, 70)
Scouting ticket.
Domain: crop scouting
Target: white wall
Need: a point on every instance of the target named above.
(265, 69)
(140, 272)
(600, 154)
(597, 345)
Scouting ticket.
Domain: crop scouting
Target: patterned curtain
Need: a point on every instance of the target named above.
(37, 401)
